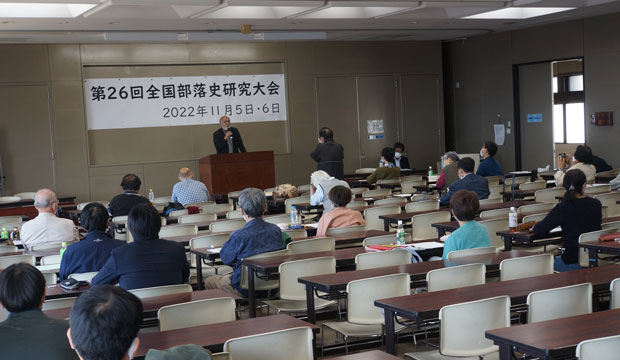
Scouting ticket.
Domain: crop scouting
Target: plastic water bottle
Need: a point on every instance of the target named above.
(15, 233)
(63, 248)
(400, 233)
(4, 234)
(430, 171)
(151, 196)
(513, 219)
(294, 217)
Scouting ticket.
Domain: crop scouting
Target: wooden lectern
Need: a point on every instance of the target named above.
(224, 173)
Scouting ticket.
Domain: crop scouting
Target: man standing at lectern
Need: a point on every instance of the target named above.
(227, 139)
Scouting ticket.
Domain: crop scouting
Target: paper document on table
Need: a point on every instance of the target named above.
(214, 250)
(427, 245)
(555, 230)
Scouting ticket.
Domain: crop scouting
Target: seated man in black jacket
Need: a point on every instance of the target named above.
(122, 203)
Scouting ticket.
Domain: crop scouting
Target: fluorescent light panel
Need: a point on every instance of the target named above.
(518, 12)
(255, 12)
(358, 12)
(43, 10)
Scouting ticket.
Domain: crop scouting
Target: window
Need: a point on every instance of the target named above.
(569, 125)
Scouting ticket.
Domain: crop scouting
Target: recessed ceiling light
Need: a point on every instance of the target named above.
(518, 12)
(43, 10)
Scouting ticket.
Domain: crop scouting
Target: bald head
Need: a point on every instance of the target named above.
(45, 201)
(185, 173)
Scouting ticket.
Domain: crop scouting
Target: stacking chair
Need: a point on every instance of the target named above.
(231, 194)
(311, 245)
(518, 180)
(378, 259)
(536, 208)
(215, 208)
(292, 293)
(178, 230)
(533, 185)
(9, 199)
(50, 260)
(490, 201)
(50, 278)
(408, 187)
(261, 284)
(548, 195)
(609, 200)
(176, 213)
(120, 234)
(457, 254)
(358, 190)
(421, 228)
(227, 225)
(8, 249)
(50, 246)
(196, 218)
(9, 219)
(599, 349)
(288, 203)
(584, 259)
(205, 241)
(391, 201)
(196, 313)
(357, 205)
(411, 178)
(81, 206)
(345, 230)
(161, 290)
(295, 343)
(559, 302)
(376, 192)
(493, 226)
(598, 188)
(58, 303)
(422, 197)
(614, 287)
(234, 214)
(495, 213)
(364, 319)
(423, 205)
(495, 191)
(389, 182)
(162, 200)
(269, 191)
(384, 239)
(463, 327)
(296, 234)
(87, 276)
(26, 195)
(364, 171)
(221, 356)
(611, 225)
(528, 266)
(303, 188)
(200, 204)
(371, 216)
(533, 217)
(456, 277)
(493, 180)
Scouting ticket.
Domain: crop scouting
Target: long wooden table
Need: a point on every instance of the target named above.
(555, 339)
(335, 284)
(420, 306)
(214, 336)
(600, 247)
(26, 207)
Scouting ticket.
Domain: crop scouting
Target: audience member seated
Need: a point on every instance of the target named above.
(577, 214)
(615, 183)
(28, 333)
(320, 185)
(93, 251)
(489, 166)
(600, 164)
(468, 181)
(387, 170)
(449, 171)
(256, 237)
(464, 206)
(104, 324)
(400, 159)
(340, 216)
(121, 204)
(188, 190)
(582, 161)
(147, 261)
(46, 228)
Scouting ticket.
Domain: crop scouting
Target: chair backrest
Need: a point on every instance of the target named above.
(457, 254)
(303, 188)
(609, 200)
(533, 185)
(295, 343)
(8, 199)
(491, 201)
(598, 188)
(26, 195)
(50, 246)
(200, 204)
(227, 225)
(205, 241)
(311, 245)
(517, 180)
(495, 191)
(421, 197)
(260, 284)
(81, 206)
(358, 190)
(162, 290)
(527, 266)
(162, 200)
(357, 205)
(384, 239)
(195, 218)
(363, 171)
(605, 348)
(548, 195)
(221, 356)
(495, 213)
(411, 177)
(58, 303)
(492, 182)
(50, 259)
(455, 277)
(345, 230)
(9, 219)
(423, 205)
(371, 215)
(50, 278)
(389, 182)
(536, 208)
(296, 234)
(87, 276)
(290, 288)
(278, 219)
(178, 213)
(8, 249)
(559, 302)
(178, 230)
(196, 313)
(361, 296)
(463, 326)
(584, 259)
(215, 208)
(391, 201)
(233, 194)
(376, 192)
(533, 217)
(408, 187)
(234, 214)
(611, 225)
(421, 224)
(269, 191)
(378, 259)
(614, 287)
(288, 203)
(493, 226)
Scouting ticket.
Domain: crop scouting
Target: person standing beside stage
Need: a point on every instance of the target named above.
(227, 139)
(329, 155)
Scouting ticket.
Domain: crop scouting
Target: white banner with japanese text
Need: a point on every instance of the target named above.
(189, 100)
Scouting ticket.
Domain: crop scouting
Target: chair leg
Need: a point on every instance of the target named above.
(322, 339)
(346, 344)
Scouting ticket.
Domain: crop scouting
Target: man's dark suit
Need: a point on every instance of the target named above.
(329, 157)
(221, 145)
(145, 263)
(471, 182)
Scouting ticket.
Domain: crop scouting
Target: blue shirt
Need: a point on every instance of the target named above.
(189, 191)
(88, 255)
(256, 237)
(469, 236)
(489, 167)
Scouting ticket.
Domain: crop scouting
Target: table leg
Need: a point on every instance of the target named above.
(505, 351)
(251, 293)
(200, 280)
(507, 243)
(386, 225)
(310, 304)
(593, 259)
(441, 231)
(390, 334)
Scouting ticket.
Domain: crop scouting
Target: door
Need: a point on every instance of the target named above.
(536, 116)
(25, 138)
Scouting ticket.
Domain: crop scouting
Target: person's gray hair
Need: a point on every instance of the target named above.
(451, 155)
(44, 199)
(252, 201)
(317, 177)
